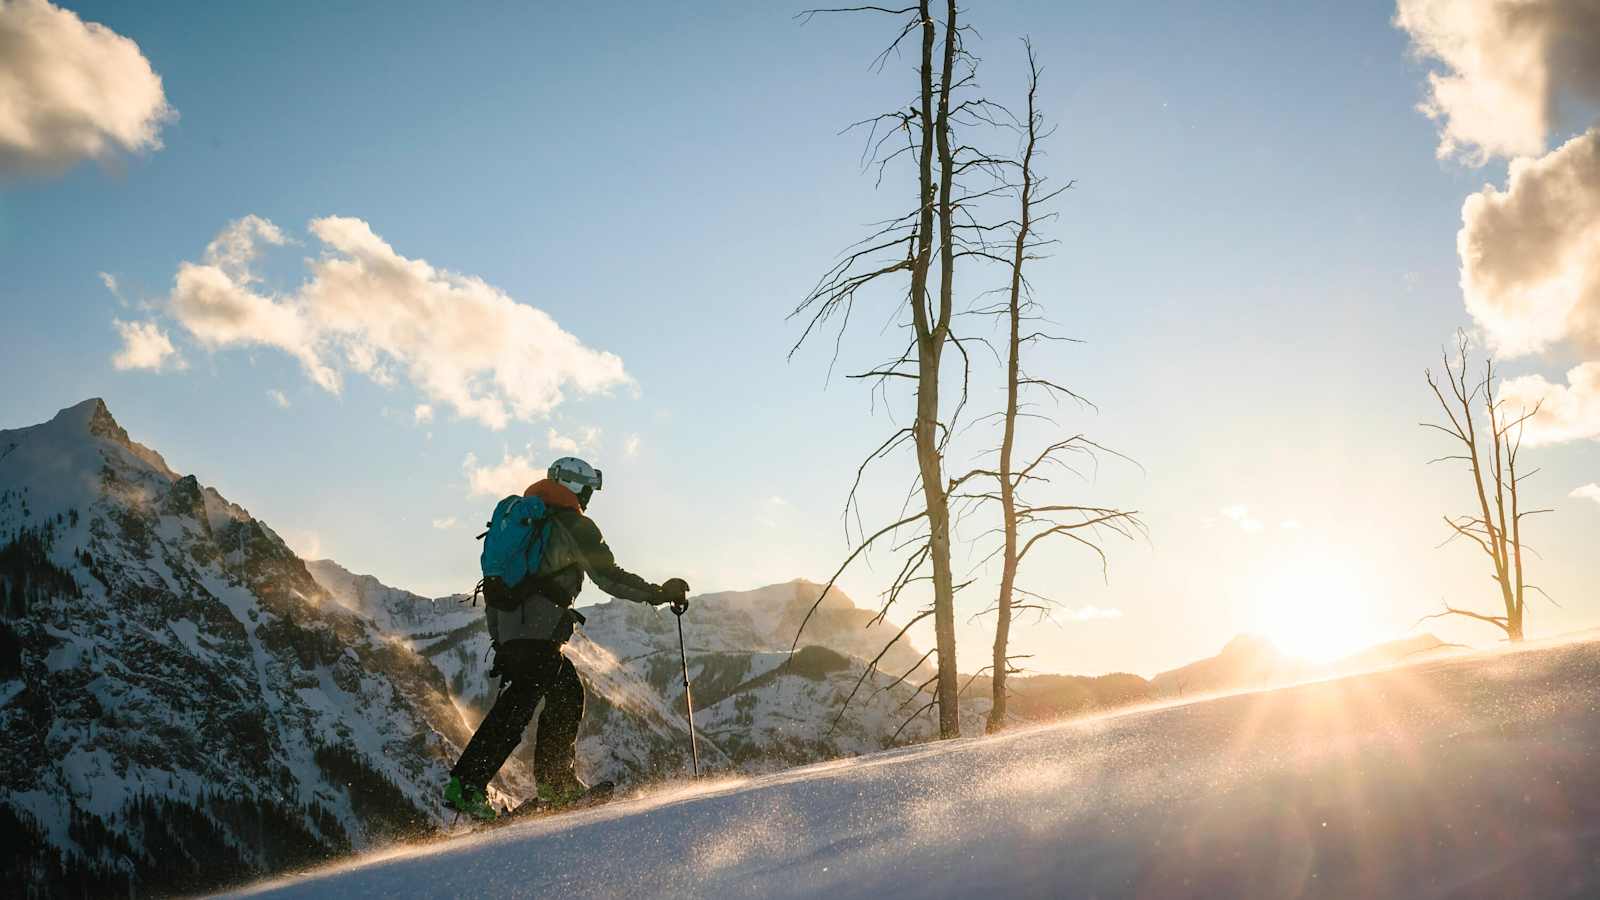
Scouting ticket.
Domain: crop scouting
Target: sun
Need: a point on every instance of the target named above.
(1315, 604)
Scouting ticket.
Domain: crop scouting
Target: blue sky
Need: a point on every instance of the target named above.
(1259, 253)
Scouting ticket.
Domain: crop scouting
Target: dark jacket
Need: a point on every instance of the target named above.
(575, 549)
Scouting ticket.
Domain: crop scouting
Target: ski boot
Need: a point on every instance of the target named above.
(469, 800)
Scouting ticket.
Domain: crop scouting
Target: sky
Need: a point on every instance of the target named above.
(365, 267)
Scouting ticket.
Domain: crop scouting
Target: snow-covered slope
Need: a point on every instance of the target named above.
(1468, 777)
(183, 703)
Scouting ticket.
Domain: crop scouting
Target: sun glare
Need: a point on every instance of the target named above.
(1316, 606)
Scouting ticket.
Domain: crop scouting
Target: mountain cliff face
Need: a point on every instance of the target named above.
(184, 703)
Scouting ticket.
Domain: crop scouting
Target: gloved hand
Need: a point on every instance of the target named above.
(675, 591)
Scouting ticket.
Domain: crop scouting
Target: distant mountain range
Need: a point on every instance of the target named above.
(184, 702)
(1253, 662)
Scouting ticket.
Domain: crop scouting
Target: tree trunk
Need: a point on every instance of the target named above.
(931, 467)
(929, 454)
(1008, 494)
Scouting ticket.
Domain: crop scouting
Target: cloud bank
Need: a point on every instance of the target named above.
(1511, 67)
(364, 308)
(1530, 254)
(1514, 72)
(71, 90)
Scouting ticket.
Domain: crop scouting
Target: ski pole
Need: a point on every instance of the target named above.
(688, 699)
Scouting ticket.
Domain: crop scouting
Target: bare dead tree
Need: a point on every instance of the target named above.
(1024, 526)
(907, 247)
(1489, 451)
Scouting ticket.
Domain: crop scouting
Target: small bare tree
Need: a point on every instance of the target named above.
(1025, 526)
(1489, 451)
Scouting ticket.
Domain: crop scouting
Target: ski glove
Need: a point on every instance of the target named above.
(675, 591)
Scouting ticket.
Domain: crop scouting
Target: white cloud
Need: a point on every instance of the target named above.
(1090, 614)
(214, 300)
(1566, 412)
(460, 341)
(447, 523)
(561, 443)
(1239, 514)
(1510, 66)
(511, 475)
(776, 500)
(422, 414)
(71, 90)
(279, 398)
(1289, 525)
(584, 439)
(144, 346)
(1588, 492)
(1530, 255)
(630, 446)
(110, 281)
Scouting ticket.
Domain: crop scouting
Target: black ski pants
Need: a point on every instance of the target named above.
(533, 670)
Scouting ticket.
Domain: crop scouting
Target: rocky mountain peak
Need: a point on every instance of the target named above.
(89, 422)
(93, 418)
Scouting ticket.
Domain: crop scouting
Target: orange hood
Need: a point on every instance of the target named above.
(555, 494)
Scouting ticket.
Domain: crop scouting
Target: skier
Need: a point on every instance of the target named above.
(527, 648)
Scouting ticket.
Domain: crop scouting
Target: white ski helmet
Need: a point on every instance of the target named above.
(576, 476)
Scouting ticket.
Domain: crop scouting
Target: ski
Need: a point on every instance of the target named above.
(598, 793)
(534, 808)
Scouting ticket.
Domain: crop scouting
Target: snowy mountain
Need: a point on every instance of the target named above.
(631, 731)
(755, 709)
(184, 704)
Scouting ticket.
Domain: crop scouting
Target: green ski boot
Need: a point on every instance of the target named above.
(469, 800)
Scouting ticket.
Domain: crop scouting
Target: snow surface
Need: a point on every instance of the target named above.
(1472, 776)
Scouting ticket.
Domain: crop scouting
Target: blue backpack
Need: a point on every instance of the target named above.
(512, 548)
